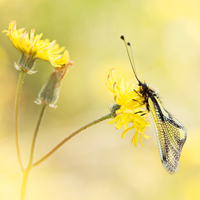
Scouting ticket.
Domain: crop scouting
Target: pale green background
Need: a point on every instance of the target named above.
(98, 164)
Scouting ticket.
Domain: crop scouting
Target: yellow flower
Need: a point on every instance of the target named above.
(33, 48)
(56, 58)
(130, 109)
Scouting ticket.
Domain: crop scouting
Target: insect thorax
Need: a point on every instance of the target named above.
(147, 92)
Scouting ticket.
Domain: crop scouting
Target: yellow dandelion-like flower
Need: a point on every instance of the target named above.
(129, 107)
(32, 48)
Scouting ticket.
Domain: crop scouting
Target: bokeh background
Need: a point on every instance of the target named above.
(98, 164)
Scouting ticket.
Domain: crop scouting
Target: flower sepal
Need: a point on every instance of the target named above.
(26, 63)
(113, 108)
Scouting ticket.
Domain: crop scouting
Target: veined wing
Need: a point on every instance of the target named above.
(171, 135)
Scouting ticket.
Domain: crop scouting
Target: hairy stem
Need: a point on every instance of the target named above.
(36, 132)
(70, 136)
(17, 97)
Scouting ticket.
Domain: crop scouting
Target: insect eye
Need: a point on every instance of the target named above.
(144, 86)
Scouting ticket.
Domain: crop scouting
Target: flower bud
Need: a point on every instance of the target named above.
(49, 93)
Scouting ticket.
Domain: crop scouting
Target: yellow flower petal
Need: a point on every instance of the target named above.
(128, 129)
(134, 140)
(141, 140)
(118, 125)
(113, 120)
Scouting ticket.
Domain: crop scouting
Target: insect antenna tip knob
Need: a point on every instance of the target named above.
(122, 37)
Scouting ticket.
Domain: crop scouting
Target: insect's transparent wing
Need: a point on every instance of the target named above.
(171, 135)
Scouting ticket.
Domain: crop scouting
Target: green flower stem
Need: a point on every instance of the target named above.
(30, 164)
(71, 136)
(19, 86)
(36, 132)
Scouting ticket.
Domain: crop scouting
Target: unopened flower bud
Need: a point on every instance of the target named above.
(49, 93)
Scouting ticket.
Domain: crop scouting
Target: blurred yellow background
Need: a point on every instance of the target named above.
(98, 164)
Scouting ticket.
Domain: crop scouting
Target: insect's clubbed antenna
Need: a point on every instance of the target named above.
(131, 58)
